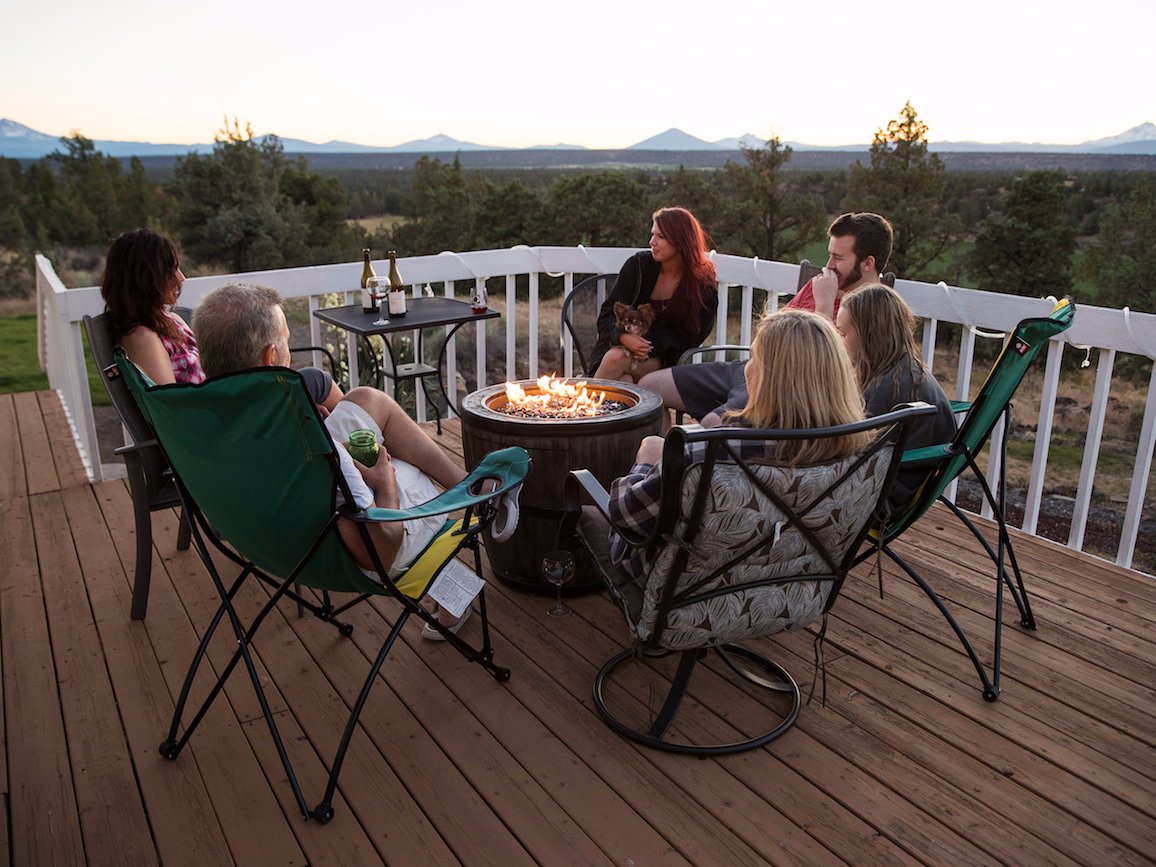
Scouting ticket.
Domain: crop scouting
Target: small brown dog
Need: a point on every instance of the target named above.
(633, 321)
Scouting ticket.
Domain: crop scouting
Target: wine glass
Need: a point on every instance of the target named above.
(379, 288)
(558, 568)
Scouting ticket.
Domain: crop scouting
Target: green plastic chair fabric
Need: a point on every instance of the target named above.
(947, 461)
(256, 466)
(743, 548)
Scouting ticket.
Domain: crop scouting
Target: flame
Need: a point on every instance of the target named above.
(557, 398)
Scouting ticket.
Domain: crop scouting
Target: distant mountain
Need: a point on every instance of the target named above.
(672, 140)
(1145, 132)
(12, 132)
(21, 142)
(558, 147)
(1138, 140)
(435, 144)
(749, 140)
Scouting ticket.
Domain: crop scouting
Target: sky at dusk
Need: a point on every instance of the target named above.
(601, 73)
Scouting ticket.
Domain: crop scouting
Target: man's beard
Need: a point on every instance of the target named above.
(853, 276)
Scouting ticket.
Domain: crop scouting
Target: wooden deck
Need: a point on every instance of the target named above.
(905, 764)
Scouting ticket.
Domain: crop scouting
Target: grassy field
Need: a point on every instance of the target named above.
(19, 366)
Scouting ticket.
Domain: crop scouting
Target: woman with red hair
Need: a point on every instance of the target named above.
(677, 279)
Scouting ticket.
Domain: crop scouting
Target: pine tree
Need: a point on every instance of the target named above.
(905, 183)
(1028, 250)
(1121, 261)
(769, 217)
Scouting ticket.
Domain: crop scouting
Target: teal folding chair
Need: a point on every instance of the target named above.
(944, 462)
(255, 465)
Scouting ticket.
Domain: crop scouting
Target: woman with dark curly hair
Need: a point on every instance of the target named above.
(676, 278)
(142, 280)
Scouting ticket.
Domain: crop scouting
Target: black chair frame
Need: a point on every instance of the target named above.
(753, 667)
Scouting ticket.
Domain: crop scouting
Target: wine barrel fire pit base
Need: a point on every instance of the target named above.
(603, 444)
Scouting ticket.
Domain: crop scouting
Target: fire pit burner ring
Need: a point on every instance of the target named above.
(604, 444)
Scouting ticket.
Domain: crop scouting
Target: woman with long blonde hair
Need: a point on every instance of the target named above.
(799, 377)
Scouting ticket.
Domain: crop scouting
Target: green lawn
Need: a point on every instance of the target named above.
(19, 367)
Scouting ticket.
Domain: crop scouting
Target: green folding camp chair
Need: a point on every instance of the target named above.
(256, 466)
(944, 462)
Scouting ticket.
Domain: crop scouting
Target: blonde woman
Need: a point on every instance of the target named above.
(799, 377)
(878, 329)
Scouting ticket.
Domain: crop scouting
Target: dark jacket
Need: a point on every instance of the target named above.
(634, 287)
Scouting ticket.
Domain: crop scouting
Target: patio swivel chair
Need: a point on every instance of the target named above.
(256, 466)
(743, 548)
(580, 316)
(945, 462)
(150, 479)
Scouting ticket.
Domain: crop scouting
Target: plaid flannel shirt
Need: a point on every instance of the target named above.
(634, 504)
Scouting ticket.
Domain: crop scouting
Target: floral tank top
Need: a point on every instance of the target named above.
(185, 357)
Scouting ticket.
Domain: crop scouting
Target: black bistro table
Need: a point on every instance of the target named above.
(423, 313)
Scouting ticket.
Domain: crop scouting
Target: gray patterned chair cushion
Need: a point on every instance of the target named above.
(736, 516)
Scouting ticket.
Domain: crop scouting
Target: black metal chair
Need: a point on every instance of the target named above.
(580, 316)
(744, 548)
(150, 477)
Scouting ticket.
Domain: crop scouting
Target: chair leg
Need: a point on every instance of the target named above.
(142, 573)
(183, 531)
(779, 680)
(323, 812)
(990, 684)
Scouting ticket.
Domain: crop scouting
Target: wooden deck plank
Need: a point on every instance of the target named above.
(1092, 715)
(38, 444)
(111, 814)
(70, 469)
(12, 481)
(253, 825)
(905, 764)
(887, 811)
(183, 818)
(1014, 741)
(763, 812)
(44, 818)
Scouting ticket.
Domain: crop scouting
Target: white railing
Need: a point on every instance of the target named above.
(745, 285)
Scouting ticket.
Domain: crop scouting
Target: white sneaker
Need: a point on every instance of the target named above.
(431, 634)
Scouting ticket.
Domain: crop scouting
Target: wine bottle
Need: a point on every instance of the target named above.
(396, 288)
(368, 302)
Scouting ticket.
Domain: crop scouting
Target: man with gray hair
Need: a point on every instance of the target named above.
(241, 326)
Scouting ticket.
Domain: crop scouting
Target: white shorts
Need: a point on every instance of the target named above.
(413, 486)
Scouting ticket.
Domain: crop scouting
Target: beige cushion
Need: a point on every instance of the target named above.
(735, 516)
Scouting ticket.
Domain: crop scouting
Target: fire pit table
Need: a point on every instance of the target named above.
(599, 433)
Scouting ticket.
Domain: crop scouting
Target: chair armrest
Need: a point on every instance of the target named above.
(136, 447)
(717, 347)
(583, 481)
(508, 467)
(576, 483)
(926, 455)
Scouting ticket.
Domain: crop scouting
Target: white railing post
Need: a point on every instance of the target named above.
(1140, 471)
(1091, 449)
(1043, 436)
